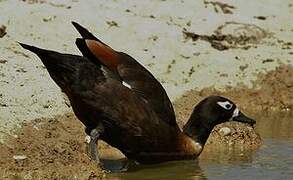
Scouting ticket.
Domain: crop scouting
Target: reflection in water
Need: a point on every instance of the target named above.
(275, 125)
(227, 155)
(273, 160)
(169, 170)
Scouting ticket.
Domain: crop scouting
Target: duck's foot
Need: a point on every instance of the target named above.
(128, 165)
(92, 145)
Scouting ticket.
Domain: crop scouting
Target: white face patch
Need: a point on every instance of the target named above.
(235, 113)
(126, 85)
(226, 105)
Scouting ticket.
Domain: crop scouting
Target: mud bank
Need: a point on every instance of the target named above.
(236, 41)
(55, 148)
(52, 148)
(272, 92)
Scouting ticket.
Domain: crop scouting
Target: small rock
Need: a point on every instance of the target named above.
(3, 104)
(112, 23)
(152, 16)
(260, 17)
(15, 136)
(225, 131)
(59, 149)
(59, 3)
(3, 61)
(87, 139)
(36, 127)
(242, 68)
(267, 60)
(27, 176)
(50, 18)
(2, 31)
(249, 128)
(230, 143)
(19, 157)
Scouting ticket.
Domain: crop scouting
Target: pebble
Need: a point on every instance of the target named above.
(27, 176)
(2, 31)
(19, 157)
(87, 139)
(225, 131)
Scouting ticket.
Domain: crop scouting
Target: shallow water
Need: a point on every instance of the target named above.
(273, 160)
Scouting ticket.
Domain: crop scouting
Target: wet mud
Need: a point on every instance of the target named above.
(55, 148)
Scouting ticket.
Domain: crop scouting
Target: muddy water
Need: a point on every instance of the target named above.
(273, 160)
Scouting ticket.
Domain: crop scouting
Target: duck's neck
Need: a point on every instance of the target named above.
(196, 129)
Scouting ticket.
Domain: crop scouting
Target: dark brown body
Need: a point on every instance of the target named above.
(129, 123)
(128, 120)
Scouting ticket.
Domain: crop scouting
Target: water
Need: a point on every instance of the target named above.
(273, 160)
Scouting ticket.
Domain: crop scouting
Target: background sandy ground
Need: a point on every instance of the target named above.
(203, 46)
(150, 31)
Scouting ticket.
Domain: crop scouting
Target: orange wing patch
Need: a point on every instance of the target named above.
(104, 53)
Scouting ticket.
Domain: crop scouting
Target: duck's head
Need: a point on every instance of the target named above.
(217, 109)
(210, 112)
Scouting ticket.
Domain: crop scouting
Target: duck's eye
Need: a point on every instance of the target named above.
(226, 105)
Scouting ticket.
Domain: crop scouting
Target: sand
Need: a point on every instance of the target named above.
(239, 49)
(58, 148)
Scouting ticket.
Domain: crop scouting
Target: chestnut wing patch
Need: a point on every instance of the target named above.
(103, 53)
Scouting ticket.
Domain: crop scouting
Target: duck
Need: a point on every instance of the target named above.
(120, 102)
(129, 71)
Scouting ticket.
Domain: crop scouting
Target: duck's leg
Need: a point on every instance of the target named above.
(92, 146)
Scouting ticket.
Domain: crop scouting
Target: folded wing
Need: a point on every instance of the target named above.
(129, 72)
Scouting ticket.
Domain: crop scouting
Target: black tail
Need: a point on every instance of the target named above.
(34, 49)
(61, 67)
(85, 34)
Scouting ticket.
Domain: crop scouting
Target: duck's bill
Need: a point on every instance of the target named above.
(242, 118)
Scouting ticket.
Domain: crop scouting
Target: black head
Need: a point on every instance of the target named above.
(208, 113)
(214, 110)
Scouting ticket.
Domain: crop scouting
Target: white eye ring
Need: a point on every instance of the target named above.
(226, 105)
